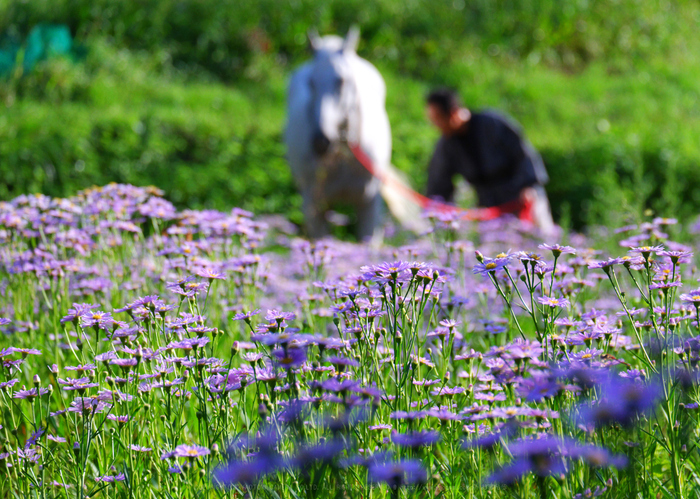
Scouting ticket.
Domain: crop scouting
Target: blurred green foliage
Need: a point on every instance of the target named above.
(188, 95)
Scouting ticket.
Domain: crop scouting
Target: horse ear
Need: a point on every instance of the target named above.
(314, 39)
(351, 39)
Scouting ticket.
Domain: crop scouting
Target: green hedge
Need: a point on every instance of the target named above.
(612, 184)
(197, 164)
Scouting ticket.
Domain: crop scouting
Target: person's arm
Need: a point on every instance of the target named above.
(440, 172)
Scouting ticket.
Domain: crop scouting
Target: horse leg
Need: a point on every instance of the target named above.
(369, 216)
(314, 219)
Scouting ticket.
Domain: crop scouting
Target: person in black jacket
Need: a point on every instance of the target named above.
(489, 150)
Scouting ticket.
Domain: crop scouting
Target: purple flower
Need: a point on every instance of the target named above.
(279, 317)
(30, 394)
(81, 385)
(426, 382)
(111, 478)
(9, 383)
(416, 439)
(599, 456)
(25, 351)
(552, 302)
(342, 362)
(621, 401)
(557, 249)
(665, 285)
(88, 405)
(189, 343)
(691, 297)
(245, 316)
(397, 474)
(98, 319)
(210, 274)
(309, 455)
(270, 339)
(537, 390)
(379, 427)
(105, 357)
(333, 385)
(605, 264)
(510, 474)
(408, 416)
(34, 438)
(125, 364)
(390, 270)
(252, 357)
(543, 456)
(522, 349)
(188, 288)
(81, 368)
(490, 440)
(291, 358)
(490, 397)
(446, 391)
(677, 256)
(489, 266)
(245, 472)
(645, 251)
(190, 451)
(139, 448)
(77, 310)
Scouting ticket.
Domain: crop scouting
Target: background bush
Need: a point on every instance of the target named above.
(189, 95)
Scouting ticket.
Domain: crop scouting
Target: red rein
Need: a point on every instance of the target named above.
(522, 209)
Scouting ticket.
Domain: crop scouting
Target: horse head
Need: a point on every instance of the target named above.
(334, 108)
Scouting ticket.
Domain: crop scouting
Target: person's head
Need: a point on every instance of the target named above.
(445, 110)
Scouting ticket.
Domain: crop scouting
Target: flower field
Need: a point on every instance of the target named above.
(150, 352)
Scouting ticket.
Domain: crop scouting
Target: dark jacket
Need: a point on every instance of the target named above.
(492, 155)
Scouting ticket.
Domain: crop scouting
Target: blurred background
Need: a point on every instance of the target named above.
(188, 95)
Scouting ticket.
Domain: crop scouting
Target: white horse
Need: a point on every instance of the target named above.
(335, 101)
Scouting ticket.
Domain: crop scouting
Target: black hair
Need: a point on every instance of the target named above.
(445, 99)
